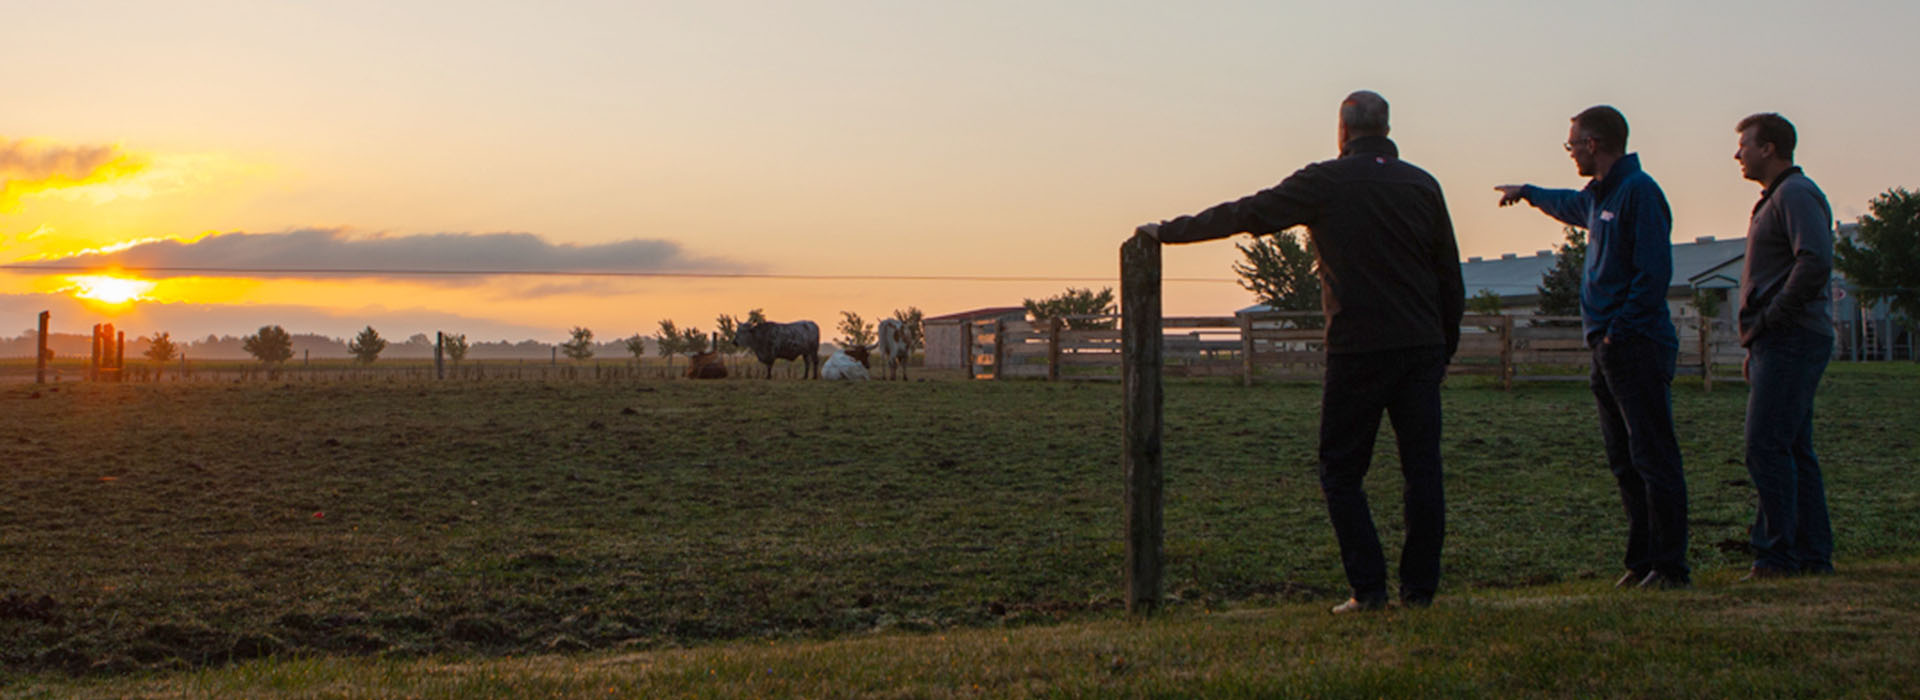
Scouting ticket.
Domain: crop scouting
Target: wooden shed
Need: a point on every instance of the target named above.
(947, 342)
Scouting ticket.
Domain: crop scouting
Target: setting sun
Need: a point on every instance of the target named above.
(108, 289)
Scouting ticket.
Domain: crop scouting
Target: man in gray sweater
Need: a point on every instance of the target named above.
(1788, 332)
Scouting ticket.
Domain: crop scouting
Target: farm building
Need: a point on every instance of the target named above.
(947, 342)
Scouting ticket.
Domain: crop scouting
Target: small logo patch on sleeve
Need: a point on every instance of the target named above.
(1606, 215)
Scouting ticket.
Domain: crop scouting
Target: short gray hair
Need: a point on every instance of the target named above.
(1364, 112)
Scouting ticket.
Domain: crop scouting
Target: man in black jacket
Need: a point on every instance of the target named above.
(1390, 279)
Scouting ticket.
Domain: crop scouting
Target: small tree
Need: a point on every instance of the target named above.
(1708, 302)
(1281, 273)
(693, 341)
(726, 330)
(456, 347)
(1074, 302)
(666, 342)
(1884, 264)
(271, 345)
(916, 326)
(1485, 301)
(1560, 287)
(580, 347)
(854, 331)
(366, 347)
(636, 345)
(161, 349)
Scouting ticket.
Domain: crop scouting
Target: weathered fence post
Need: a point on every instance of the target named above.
(1053, 348)
(439, 348)
(1246, 349)
(1706, 354)
(93, 359)
(966, 346)
(1140, 356)
(999, 350)
(120, 356)
(1506, 353)
(40, 352)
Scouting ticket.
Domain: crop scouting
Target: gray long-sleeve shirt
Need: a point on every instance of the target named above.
(1789, 260)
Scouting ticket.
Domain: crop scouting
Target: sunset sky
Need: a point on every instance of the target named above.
(831, 139)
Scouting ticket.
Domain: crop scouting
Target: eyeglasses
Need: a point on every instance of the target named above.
(1576, 142)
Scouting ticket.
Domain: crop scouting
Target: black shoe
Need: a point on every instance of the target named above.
(1630, 579)
(1656, 581)
(1761, 572)
(1354, 605)
(1817, 570)
(1416, 601)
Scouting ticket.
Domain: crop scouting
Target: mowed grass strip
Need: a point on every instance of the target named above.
(1842, 636)
(156, 527)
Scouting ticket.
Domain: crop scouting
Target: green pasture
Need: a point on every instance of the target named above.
(362, 529)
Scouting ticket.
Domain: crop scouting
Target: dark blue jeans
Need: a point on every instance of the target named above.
(1405, 384)
(1633, 387)
(1791, 532)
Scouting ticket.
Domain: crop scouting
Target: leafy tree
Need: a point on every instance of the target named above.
(271, 345)
(1074, 302)
(916, 326)
(420, 339)
(727, 330)
(693, 341)
(366, 347)
(1485, 301)
(636, 345)
(1883, 261)
(162, 349)
(1281, 273)
(756, 316)
(1560, 287)
(456, 347)
(1708, 302)
(580, 347)
(854, 331)
(666, 342)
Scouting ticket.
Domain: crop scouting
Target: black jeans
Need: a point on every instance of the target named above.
(1358, 387)
(1791, 531)
(1633, 386)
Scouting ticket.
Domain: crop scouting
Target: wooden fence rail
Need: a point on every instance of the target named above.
(1292, 345)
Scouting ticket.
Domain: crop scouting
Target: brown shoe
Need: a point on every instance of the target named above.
(1763, 573)
(1354, 605)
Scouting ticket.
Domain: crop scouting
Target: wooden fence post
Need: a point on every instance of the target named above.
(40, 352)
(1506, 353)
(120, 356)
(93, 359)
(1246, 350)
(1140, 356)
(999, 350)
(966, 346)
(439, 348)
(1053, 348)
(1706, 354)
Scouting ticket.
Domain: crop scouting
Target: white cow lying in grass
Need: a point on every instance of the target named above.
(841, 366)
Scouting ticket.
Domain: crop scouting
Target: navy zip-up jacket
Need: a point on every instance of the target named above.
(1389, 264)
(1623, 286)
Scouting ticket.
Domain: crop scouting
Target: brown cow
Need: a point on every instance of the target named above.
(707, 365)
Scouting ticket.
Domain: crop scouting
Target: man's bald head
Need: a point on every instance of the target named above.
(1363, 113)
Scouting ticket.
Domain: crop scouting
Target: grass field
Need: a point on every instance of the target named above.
(168, 527)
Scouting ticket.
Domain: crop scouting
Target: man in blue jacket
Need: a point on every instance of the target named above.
(1390, 285)
(1623, 311)
(1788, 331)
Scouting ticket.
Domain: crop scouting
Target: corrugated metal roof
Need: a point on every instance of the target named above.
(1516, 275)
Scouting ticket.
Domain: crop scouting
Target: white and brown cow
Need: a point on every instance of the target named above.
(783, 341)
(895, 343)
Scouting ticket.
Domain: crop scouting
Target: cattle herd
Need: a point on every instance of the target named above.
(800, 340)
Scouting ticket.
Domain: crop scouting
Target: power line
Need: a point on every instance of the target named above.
(418, 272)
